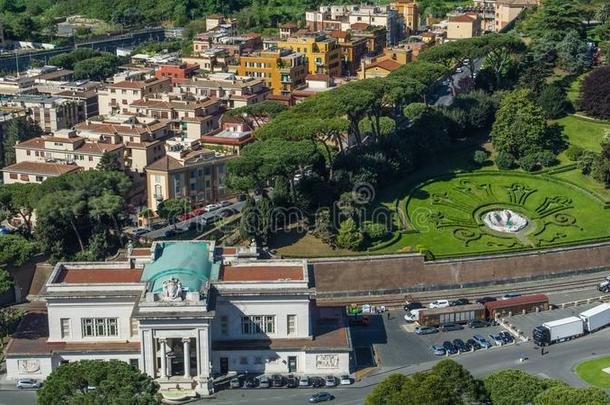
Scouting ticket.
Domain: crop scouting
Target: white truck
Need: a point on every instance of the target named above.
(596, 317)
(558, 331)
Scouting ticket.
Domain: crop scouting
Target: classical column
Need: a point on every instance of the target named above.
(186, 348)
(163, 358)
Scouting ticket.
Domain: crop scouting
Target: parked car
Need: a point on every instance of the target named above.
(27, 383)
(449, 347)
(227, 212)
(413, 316)
(198, 211)
(439, 304)
(482, 341)
(251, 382)
(510, 295)
(292, 381)
(345, 380)
(447, 327)
(438, 350)
(330, 381)
(303, 381)
(320, 397)
(225, 203)
(140, 231)
(507, 337)
(277, 381)
(412, 305)
(460, 345)
(212, 207)
(483, 300)
(426, 330)
(263, 382)
(185, 216)
(235, 383)
(317, 382)
(478, 323)
(604, 286)
(169, 233)
(496, 339)
(474, 344)
(460, 301)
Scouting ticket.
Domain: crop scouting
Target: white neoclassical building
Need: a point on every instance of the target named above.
(184, 312)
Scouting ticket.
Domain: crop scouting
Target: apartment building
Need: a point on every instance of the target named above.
(49, 112)
(233, 91)
(176, 72)
(282, 69)
(463, 26)
(375, 37)
(231, 137)
(88, 97)
(409, 12)
(35, 172)
(508, 10)
(142, 137)
(353, 49)
(116, 98)
(287, 30)
(193, 118)
(187, 171)
(381, 16)
(323, 53)
(233, 44)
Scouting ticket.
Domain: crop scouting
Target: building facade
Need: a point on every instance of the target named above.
(282, 69)
(116, 98)
(323, 54)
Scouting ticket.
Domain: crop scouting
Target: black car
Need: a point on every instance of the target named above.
(292, 382)
(460, 301)
(478, 323)
(317, 382)
(474, 344)
(413, 305)
(169, 233)
(446, 327)
(277, 381)
(483, 300)
(506, 337)
(461, 346)
(449, 347)
(251, 382)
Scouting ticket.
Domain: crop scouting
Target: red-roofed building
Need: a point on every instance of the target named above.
(378, 69)
(176, 73)
(116, 98)
(517, 305)
(463, 26)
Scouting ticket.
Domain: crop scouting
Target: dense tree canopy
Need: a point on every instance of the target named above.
(18, 200)
(115, 382)
(16, 250)
(17, 130)
(595, 93)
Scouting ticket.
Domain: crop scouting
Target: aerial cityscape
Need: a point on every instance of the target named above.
(390, 202)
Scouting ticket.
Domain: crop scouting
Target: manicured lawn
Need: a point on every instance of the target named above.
(591, 372)
(583, 132)
(447, 213)
(573, 91)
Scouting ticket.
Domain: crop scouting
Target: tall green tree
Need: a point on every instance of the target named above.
(109, 162)
(115, 382)
(18, 130)
(349, 236)
(510, 387)
(566, 395)
(15, 251)
(18, 200)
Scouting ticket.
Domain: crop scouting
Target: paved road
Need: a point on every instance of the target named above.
(444, 96)
(159, 233)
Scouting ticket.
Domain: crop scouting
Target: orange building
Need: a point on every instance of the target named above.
(176, 73)
(352, 51)
(281, 69)
(410, 13)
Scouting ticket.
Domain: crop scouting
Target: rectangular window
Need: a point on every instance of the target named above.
(256, 324)
(99, 327)
(292, 324)
(135, 363)
(224, 325)
(39, 179)
(65, 327)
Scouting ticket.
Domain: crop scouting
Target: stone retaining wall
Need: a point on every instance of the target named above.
(388, 274)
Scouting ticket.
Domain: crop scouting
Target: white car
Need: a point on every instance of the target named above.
(303, 381)
(212, 207)
(439, 304)
(24, 383)
(330, 381)
(345, 380)
(413, 315)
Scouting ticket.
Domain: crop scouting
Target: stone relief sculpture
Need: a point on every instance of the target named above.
(172, 290)
(324, 361)
(30, 366)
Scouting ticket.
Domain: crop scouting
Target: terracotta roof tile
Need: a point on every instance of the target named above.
(261, 273)
(360, 26)
(165, 164)
(318, 77)
(100, 276)
(47, 169)
(387, 64)
(462, 19)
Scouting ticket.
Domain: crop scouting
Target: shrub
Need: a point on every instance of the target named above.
(375, 231)
(480, 157)
(553, 101)
(546, 158)
(505, 161)
(595, 93)
(529, 162)
(587, 161)
(349, 236)
(574, 152)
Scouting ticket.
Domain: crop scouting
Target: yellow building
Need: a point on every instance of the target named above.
(463, 26)
(323, 54)
(401, 54)
(409, 11)
(378, 69)
(281, 69)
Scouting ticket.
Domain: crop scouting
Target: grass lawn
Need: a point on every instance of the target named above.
(583, 132)
(295, 243)
(591, 372)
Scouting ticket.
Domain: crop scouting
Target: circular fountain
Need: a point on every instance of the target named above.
(506, 221)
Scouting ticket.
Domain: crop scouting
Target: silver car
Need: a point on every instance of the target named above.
(263, 381)
(24, 383)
